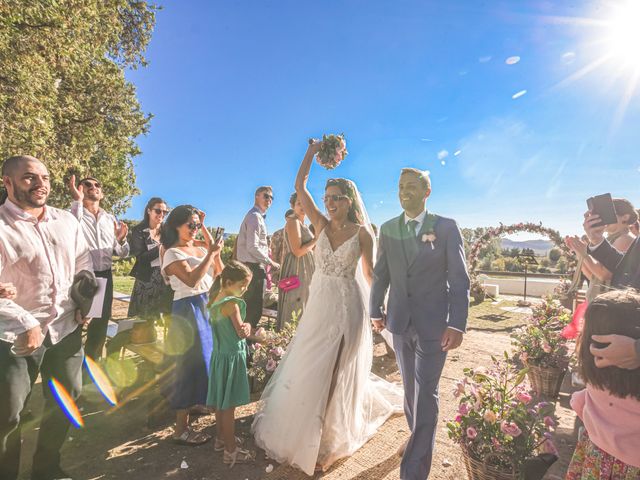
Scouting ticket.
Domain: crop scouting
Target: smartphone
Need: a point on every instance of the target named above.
(219, 234)
(602, 205)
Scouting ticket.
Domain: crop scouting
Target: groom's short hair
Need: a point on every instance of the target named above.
(423, 176)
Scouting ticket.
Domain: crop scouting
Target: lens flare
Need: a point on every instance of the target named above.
(66, 403)
(122, 373)
(101, 380)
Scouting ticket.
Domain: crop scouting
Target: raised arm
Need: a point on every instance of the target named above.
(294, 237)
(191, 276)
(311, 209)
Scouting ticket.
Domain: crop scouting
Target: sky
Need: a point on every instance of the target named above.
(519, 110)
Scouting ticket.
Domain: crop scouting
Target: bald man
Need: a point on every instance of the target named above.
(41, 249)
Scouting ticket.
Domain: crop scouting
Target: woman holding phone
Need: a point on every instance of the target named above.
(191, 266)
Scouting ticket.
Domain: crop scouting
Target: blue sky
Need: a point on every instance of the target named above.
(237, 87)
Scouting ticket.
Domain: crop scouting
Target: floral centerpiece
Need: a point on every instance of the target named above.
(268, 349)
(541, 346)
(332, 151)
(501, 430)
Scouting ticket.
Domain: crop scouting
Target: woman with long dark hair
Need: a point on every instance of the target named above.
(191, 266)
(151, 297)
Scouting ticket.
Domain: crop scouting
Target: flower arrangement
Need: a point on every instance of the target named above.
(332, 151)
(501, 230)
(269, 348)
(477, 290)
(498, 423)
(540, 341)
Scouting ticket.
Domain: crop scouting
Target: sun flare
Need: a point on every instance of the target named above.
(623, 39)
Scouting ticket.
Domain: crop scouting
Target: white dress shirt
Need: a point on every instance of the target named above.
(99, 232)
(252, 239)
(40, 258)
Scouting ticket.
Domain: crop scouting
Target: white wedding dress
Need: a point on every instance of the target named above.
(322, 402)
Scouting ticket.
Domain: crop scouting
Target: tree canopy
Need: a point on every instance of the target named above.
(63, 93)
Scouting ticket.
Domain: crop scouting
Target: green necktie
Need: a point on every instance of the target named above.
(411, 227)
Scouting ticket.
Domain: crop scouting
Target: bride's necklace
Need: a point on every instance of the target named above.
(339, 228)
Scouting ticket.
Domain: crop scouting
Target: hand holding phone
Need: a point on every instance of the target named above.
(219, 234)
(602, 205)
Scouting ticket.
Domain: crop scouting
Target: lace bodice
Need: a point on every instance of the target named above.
(339, 263)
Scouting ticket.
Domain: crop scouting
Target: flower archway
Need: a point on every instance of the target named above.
(494, 232)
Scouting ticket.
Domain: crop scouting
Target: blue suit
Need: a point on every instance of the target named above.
(428, 292)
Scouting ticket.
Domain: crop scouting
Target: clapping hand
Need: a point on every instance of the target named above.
(577, 245)
(77, 193)
(121, 230)
(8, 291)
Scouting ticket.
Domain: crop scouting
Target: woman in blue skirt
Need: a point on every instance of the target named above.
(191, 266)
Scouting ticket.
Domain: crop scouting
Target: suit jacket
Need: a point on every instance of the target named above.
(625, 268)
(140, 238)
(428, 287)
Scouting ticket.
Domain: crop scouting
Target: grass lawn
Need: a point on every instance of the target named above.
(489, 317)
(123, 284)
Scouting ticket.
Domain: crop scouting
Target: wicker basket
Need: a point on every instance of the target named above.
(477, 470)
(546, 381)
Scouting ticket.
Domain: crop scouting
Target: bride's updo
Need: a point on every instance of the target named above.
(348, 188)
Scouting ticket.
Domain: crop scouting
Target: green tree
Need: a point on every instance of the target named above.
(554, 255)
(63, 94)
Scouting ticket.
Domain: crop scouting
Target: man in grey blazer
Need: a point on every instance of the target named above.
(421, 263)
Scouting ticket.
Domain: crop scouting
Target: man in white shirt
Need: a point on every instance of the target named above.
(106, 237)
(41, 249)
(253, 250)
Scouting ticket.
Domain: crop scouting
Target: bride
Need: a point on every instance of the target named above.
(322, 402)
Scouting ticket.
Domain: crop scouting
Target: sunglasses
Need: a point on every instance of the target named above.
(335, 198)
(266, 196)
(193, 226)
(89, 184)
(159, 211)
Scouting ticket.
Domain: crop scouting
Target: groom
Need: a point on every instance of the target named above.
(421, 262)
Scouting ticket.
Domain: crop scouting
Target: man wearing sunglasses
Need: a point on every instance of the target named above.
(252, 249)
(106, 237)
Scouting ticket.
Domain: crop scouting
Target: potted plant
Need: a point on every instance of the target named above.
(502, 432)
(542, 348)
(477, 291)
(266, 352)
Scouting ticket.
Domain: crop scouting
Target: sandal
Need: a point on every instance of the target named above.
(218, 445)
(238, 456)
(191, 438)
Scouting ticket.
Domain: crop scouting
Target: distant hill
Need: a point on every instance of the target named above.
(540, 247)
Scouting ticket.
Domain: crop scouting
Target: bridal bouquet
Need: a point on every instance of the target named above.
(498, 422)
(332, 151)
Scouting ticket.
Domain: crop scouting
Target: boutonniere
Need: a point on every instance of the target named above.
(429, 227)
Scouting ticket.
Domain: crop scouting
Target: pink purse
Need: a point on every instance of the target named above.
(289, 283)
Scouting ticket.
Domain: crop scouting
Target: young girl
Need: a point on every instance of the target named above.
(228, 382)
(609, 446)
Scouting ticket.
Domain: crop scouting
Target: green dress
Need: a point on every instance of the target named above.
(228, 381)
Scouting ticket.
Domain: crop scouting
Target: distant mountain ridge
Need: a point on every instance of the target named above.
(540, 247)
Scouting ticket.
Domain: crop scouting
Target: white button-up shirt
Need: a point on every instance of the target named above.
(99, 232)
(252, 243)
(40, 257)
(419, 219)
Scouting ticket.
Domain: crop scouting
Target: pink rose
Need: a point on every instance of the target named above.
(271, 365)
(524, 397)
(459, 419)
(464, 409)
(471, 433)
(546, 347)
(510, 428)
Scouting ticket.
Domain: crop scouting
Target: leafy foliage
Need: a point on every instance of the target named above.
(498, 423)
(63, 93)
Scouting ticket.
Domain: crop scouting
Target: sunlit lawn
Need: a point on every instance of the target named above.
(123, 284)
(489, 317)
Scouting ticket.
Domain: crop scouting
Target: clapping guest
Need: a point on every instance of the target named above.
(191, 266)
(106, 237)
(41, 250)
(298, 264)
(599, 274)
(151, 297)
